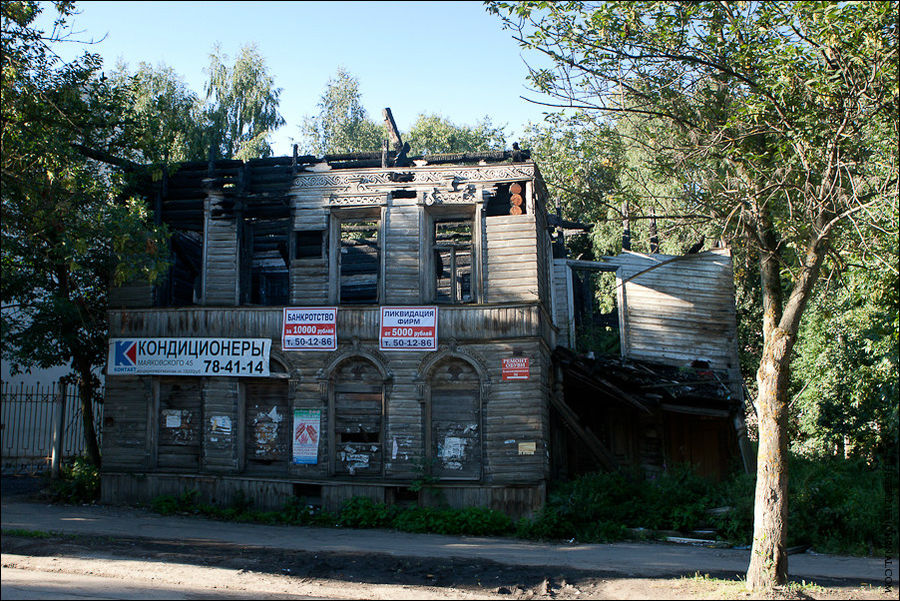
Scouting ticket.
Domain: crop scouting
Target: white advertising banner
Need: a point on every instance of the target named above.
(189, 357)
(408, 329)
(309, 329)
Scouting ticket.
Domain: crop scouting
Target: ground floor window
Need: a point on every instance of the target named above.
(453, 421)
(358, 411)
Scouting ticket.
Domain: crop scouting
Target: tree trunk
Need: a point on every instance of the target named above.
(768, 558)
(86, 396)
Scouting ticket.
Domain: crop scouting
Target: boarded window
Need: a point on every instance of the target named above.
(359, 261)
(180, 406)
(266, 257)
(455, 428)
(358, 419)
(267, 438)
(453, 252)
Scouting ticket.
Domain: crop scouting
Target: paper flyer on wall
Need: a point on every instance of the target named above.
(307, 426)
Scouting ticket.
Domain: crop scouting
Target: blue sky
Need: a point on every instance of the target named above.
(447, 58)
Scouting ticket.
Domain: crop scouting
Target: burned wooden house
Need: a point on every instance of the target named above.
(348, 325)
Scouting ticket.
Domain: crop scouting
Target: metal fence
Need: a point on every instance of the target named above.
(26, 433)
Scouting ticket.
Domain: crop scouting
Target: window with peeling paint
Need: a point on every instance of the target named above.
(179, 438)
(454, 421)
(268, 423)
(358, 417)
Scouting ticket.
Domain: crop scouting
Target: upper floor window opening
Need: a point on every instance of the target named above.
(454, 254)
(359, 260)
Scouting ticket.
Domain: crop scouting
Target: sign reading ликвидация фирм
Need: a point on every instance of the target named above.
(248, 357)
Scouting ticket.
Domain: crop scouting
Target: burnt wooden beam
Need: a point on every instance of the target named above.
(571, 420)
(393, 132)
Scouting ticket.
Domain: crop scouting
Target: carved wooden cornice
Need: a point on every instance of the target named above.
(362, 183)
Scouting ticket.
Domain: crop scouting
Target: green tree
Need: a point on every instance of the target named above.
(433, 134)
(167, 116)
(342, 124)
(66, 232)
(780, 120)
(243, 109)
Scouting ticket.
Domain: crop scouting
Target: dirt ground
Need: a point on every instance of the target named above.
(272, 572)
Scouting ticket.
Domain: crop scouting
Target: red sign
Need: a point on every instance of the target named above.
(514, 368)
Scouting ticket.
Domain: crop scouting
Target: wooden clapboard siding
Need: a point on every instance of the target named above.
(680, 310)
(131, 295)
(221, 260)
(401, 247)
(511, 271)
(562, 312)
(222, 417)
(309, 282)
(127, 413)
(468, 322)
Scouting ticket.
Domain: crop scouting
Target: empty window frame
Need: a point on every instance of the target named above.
(309, 244)
(359, 260)
(453, 250)
(266, 244)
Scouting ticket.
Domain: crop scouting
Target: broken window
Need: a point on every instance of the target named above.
(357, 427)
(455, 425)
(181, 287)
(595, 302)
(509, 199)
(309, 244)
(269, 423)
(453, 260)
(266, 257)
(359, 260)
(180, 403)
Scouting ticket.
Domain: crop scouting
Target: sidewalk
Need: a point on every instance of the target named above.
(645, 560)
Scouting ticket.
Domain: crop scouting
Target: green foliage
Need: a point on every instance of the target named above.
(840, 506)
(846, 369)
(69, 227)
(433, 134)
(168, 117)
(79, 482)
(244, 108)
(362, 512)
(342, 124)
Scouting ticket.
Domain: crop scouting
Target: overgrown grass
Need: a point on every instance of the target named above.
(835, 506)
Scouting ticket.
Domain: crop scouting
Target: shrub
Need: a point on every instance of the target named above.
(79, 482)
